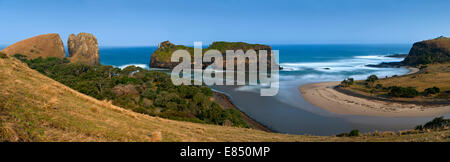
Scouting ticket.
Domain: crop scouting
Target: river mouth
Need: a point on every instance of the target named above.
(288, 112)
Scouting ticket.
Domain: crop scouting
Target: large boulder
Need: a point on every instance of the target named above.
(47, 45)
(83, 48)
(429, 51)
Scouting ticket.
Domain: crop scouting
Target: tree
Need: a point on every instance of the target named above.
(347, 82)
(371, 80)
(430, 91)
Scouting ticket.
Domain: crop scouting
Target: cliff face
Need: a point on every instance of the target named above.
(47, 45)
(83, 48)
(161, 57)
(429, 51)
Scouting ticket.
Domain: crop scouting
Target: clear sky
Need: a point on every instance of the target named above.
(143, 23)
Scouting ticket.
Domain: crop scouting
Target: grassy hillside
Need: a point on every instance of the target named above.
(431, 75)
(34, 107)
(140, 90)
(429, 51)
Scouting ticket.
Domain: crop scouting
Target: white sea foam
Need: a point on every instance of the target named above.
(144, 66)
(350, 64)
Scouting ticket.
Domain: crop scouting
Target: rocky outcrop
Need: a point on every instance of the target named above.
(161, 57)
(83, 48)
(429, 51)
(47, 45)
(224, 46)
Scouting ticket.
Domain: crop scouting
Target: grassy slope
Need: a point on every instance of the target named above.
(434, 75)
(36, 108)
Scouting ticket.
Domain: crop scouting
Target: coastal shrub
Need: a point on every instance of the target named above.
(408, 92)
(347, 82)
(352, 133)
(138, 89)
(436, 123)
(430, 91)
(3, 55)
(371, 80)
(378, 86)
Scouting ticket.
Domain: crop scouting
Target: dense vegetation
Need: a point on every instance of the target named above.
(436, 123)
(371, 85)
(223, 46)
(352, 133)
(143, 91)
(429, 52)
(408, 92)
(3, 55)
(347, 82)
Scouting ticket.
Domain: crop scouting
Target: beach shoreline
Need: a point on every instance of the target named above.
(226, 102)
(324, 95)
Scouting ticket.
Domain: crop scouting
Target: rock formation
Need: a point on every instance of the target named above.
(161, 57)
(429, 51)
(47, 45)
(83, 48)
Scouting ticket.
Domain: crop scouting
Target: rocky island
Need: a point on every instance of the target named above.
(161, 57)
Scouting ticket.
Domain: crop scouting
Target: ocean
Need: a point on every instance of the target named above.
(287, 112)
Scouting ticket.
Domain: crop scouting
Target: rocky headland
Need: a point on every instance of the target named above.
(46, 45)
(83, 48)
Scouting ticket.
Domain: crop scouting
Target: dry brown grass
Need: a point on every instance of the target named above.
(34, 107)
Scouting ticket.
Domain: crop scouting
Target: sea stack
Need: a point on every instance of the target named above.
(46, 45)
(83, 48)
(429, 51)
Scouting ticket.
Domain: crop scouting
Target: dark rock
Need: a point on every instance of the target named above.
(397, 55)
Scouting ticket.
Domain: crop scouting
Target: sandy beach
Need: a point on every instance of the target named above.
(324, 95)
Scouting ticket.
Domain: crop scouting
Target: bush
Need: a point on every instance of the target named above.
(430, 91)
(371, 80)
(3, 55)
(347, 82)
(352, 133)
(396, 91)
(436, 123)
(378, 86)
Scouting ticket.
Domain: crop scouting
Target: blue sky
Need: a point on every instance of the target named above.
(144, 23)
